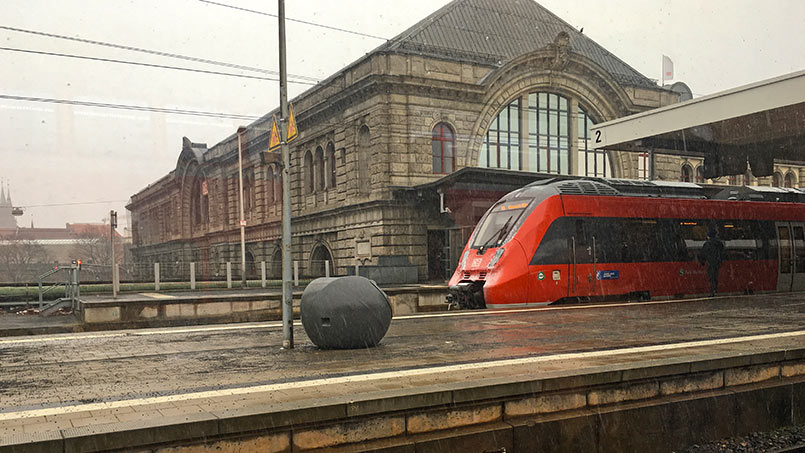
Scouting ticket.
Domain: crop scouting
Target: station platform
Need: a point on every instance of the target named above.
(616, 377)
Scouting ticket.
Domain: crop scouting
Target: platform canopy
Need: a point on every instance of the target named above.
(755, 123)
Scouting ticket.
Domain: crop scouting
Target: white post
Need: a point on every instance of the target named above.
(115, 279)
(327, 269)
(156, 276)
(263, 273)
(296, 273)
(357, 268)
(192, 275)
(241, 131)
(229, 274)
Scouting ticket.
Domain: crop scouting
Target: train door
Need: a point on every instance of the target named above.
(791, 256)
(583, 255)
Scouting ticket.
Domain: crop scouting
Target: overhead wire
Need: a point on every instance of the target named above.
(314, 24)
(233, 116)
(150, 65)
(154, 52)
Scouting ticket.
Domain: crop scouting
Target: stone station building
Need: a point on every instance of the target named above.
(401, 152)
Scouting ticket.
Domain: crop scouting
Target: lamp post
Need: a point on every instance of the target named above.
(241, 131)
(287, 295)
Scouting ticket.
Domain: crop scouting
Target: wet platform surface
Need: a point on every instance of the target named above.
(60, 381)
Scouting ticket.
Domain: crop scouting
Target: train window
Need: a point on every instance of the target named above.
(785, 249)
(694, 233)
(609, 242)
(499, 223)
(799, 249)
(740, 242)
(553, 248)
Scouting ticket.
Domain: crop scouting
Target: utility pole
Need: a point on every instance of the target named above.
(241, 131)
(112, 226)
(287, 294)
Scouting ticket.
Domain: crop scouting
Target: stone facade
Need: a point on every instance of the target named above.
(364, 148)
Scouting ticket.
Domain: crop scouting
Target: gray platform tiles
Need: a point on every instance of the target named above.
(497, 354)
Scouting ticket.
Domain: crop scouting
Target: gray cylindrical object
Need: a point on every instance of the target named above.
(345, 313)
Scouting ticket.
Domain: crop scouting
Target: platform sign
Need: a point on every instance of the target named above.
(607, 275)
(293, 132)
(274, 139)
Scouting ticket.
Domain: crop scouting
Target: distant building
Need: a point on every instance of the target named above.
(7, 219)
(401, 152)
(26, 253)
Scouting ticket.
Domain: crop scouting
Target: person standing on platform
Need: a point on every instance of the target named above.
(711, 255)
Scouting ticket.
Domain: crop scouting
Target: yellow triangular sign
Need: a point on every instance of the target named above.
(274, 140)
(293, 132)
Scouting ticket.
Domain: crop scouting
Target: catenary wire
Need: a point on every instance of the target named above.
(154, 52)
(262, 13)
(233, 116)
(77, 203)
(149, 65)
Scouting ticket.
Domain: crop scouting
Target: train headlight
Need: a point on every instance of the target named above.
(495, 258)
(464, 259)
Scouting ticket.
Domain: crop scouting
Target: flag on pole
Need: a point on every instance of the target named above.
(667, 69)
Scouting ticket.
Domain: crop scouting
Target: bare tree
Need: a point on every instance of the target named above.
(21, 260)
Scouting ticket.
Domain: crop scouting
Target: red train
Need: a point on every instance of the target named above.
(558, 240)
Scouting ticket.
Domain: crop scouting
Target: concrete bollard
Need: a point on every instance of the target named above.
(192, 275)
(345, 313)
(296, 273)
(263, 274)
(229, 274)
(156, 276)
(326, 269)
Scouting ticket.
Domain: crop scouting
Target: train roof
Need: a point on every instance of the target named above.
(655, 189)
(614, 187)
(761, 193)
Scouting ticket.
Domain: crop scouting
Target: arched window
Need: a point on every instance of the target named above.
(308, 172)
(501, 148)
(248, 192)
(276, 264)
(546, 147)
(277, 184)
(200, 203)
(319, 165)
(442, 145)
(364, 160)
(330, 165)
(270, 200)
(777, 179)
(592, 162)
(642, 166)
(319, 258)
(686, 174)
(790, 179)
(700, 174)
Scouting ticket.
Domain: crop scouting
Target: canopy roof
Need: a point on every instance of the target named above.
(758, 122)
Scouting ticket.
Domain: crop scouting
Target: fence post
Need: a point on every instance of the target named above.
(193, 275)
(296, 273)
(156, 276)
(327, 269)
(263, 273)
(229, 274)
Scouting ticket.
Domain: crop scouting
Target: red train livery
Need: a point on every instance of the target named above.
(558, 240)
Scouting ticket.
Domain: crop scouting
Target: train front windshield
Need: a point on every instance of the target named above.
(497, 225)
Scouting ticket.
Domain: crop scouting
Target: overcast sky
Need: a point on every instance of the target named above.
(58, 159)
